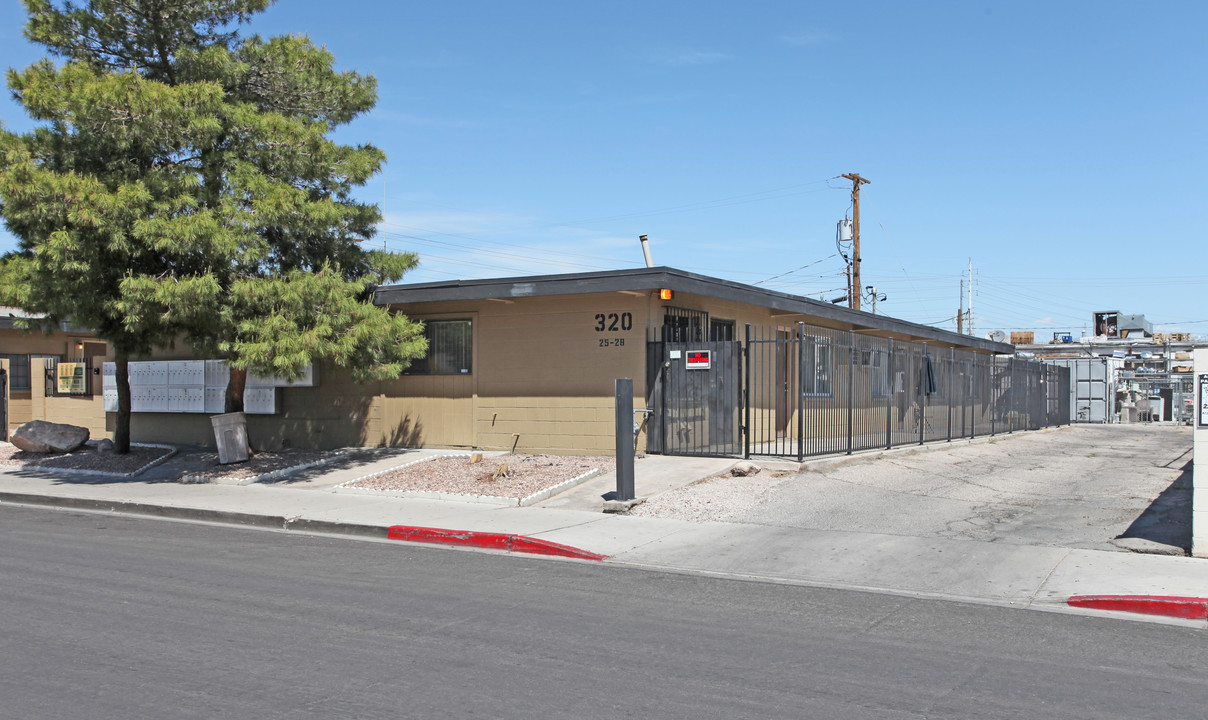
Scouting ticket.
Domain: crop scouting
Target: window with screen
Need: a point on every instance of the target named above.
(450, 348)
(816, 367)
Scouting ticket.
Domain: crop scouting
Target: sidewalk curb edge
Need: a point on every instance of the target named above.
(489, 541)
(1188, 608)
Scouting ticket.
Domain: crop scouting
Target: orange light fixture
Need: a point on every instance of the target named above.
(665, 294)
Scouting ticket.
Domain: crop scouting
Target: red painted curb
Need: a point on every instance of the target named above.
(441, 536)
(488, 541)
(1190, 608)
(536, 546)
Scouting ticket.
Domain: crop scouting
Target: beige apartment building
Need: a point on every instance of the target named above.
(529, 364)
(23, 394)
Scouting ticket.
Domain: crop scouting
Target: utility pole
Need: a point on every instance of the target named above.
(853, 288)
(960, 311)
(970, 296)
(874, 297)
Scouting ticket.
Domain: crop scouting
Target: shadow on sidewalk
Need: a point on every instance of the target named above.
(1167, 520)
(350, 459)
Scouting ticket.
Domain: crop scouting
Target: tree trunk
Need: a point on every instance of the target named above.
(234, 391)
(121, 432)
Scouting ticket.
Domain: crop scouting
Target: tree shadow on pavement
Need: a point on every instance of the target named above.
(1167, 520)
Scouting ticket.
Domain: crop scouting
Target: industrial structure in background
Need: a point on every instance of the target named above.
(1124, 372)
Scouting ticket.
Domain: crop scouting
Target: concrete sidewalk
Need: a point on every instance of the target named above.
(1014, 575)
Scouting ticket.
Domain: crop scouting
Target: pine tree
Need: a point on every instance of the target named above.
(183, 184)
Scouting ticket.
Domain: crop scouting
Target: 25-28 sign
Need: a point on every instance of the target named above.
(614, 322)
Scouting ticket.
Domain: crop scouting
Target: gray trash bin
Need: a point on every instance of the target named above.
(230, 432)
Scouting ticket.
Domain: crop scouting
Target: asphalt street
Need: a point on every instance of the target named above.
(110, 616)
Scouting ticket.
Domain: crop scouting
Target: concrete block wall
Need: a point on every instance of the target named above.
(1199, 481)
(87, 412)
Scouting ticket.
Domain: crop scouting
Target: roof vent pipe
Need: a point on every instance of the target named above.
(646, 250)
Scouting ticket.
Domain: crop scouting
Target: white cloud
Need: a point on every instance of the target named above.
(682, 57)
(471, 245)
(807, 38)
(423, 120)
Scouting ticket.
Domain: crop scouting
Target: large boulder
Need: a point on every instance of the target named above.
(39, 436)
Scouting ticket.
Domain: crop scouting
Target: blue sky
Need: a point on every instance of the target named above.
(1059, 146)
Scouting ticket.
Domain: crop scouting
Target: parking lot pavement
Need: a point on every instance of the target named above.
(1102, 487)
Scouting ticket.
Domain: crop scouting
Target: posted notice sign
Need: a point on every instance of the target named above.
(698, 360)
(69, 379)
(1202, 400)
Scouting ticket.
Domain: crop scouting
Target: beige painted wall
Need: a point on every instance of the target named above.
(542, 377)
(87, 412)
(541, 381)
(337, 413)
(26, 405)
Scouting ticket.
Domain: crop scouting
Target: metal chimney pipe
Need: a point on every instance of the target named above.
(646, 250)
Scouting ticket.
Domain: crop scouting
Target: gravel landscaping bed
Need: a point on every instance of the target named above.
(86, 459)
(717, 499)
(505, 476)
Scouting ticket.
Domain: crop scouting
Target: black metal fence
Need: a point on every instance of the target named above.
(807, 391)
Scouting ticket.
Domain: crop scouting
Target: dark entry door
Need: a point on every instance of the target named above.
(700, 398)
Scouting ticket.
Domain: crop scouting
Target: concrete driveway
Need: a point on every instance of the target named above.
(1104, 487)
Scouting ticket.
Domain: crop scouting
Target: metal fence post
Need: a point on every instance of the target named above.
(801, 390)
(1014, 396)
(921, 381)
(746, 395)
(951, 372)
(891, 389)
(851, 386)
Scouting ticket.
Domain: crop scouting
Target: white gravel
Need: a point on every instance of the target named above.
(509, 476)
(721, 498)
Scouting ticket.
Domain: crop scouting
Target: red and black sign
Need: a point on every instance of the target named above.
(698, 360)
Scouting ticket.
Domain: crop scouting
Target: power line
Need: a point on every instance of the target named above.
(790, 272)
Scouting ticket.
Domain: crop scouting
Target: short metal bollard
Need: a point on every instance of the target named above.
(625, 439)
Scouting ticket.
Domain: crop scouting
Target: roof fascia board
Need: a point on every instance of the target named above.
(677, 281)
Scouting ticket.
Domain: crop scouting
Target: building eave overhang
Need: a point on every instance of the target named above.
(649, 279)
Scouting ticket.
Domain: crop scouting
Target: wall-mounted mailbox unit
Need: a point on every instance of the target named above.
(194, 386)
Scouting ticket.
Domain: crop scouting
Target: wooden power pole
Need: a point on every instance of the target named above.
(854, 290)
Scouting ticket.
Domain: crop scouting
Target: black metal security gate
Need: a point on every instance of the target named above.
(799, 390)
(696, 397)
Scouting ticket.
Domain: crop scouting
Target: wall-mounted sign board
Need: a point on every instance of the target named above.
(698, 360)
(1202, 400)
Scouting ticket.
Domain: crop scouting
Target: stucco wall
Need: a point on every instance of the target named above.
(87, 412)
(542, 381)
(542, 375)
(21, 407)
(337, 413)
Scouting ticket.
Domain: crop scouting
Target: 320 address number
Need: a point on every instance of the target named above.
(612, 322)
